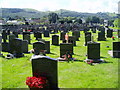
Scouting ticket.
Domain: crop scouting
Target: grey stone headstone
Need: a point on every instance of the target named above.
(55, 40)
(65, 47)
(46, 67)
(93, 50)
(25, 46)
(38, 46)
(116, 49)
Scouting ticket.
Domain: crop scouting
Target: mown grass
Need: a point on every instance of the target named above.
(70, 75)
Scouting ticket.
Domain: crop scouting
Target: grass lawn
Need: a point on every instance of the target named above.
(70, 75)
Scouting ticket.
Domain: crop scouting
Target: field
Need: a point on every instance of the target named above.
(70, 75)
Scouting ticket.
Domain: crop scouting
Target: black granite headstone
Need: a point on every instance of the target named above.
(101, 36)
(109, 33)
(47, 46)
(38, 46)
(5, 47)
(25, 46)
(15, 33)
(93, 50)
(76, 34)
(66, 47)
(27, 37)
(55, 40)
(72, 40)
(46, 67)
(62, 36)
(4, 35)
(116, 49)
(46, 33)
(87, 37)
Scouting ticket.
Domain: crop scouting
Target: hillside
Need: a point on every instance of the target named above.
(30, 13)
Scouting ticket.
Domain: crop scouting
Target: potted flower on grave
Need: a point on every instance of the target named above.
(37, 82)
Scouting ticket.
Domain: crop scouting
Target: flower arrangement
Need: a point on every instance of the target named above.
(37, 82)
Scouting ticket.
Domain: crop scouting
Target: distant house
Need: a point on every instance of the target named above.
(15, 22)
(2, 22)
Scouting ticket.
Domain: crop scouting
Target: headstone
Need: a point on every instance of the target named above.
(8, 32)
(87, 37)
(118, 33)
(55, 40)
(101, 36)
(11, 43)
(46, 33)
(38, 46)
(15, 33)
(5, 46)
(38, 35)
(4, 35)
(46, 67)
(93, 50)
(47, 46)
(17, 47)
(109, 33)
(76, 34)
(25, 46)
(72, 40)
(27, 37)
(62, 36)
(116, 49)
(65, 47)
(0, 45)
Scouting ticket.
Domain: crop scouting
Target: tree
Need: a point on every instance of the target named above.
(95, 19)
(79, 20)
(88, 20)
(53, 17)
(116, 22)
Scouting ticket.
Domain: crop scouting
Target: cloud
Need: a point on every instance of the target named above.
(74, 5)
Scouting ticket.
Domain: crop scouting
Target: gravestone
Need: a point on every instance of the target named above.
(62, 36)
(55, 40)
(118, 32)
(38, 35)
(38, 46)
(116, 49)
(93, 50)
(4, 35)
(11, 43)
(5, 46)
(0, 44)
(46, 33)
(42, 40)
(27, 37)
(17, 47)
(87, 37)
(47, 46)
(15, 33)
(65, 47)
(76, 34)
(72, 40)
(101, 36)
(46, 67)
(25, 46)
(8, 32)
(109, 33)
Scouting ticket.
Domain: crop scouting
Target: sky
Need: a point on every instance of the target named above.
(91, 6)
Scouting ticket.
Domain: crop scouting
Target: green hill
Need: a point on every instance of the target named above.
(32, 13)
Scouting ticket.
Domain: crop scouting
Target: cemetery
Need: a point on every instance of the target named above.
(87, 58)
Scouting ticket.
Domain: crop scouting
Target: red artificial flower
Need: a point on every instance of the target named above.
(38, 82)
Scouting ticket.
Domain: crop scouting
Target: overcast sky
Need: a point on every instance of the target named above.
(91, 6)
